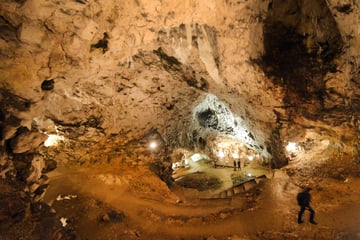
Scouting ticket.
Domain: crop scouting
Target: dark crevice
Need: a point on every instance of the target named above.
(10, 99)
(185, 72)
(81, 1)
(102, 43)
(47, 85)
(8, 32)
(345, 8)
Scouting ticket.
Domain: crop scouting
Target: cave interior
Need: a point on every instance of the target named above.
(192, 113)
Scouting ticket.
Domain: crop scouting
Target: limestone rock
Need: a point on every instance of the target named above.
(12, 207)
(113, 217)
(27, 141)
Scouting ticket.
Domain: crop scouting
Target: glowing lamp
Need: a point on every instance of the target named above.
(250, 158)
(291, 147)
(221, 154)
(153, 145)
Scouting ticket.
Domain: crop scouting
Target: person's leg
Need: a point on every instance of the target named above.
(312, 215)
(302, 210)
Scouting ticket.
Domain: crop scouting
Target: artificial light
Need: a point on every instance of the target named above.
(153, 145)
(291, 147)
(53, 140)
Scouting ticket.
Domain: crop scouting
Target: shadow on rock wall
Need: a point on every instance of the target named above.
(301, 41)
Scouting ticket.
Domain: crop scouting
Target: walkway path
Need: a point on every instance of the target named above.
(153, 212)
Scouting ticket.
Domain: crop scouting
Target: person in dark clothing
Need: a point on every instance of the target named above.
(304, 199)
(234, 165)
(238, 164)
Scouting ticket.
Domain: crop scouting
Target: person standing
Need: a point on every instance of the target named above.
(238, 164)
(304, 199)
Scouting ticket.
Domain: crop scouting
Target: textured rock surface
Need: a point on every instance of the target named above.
(109, 76)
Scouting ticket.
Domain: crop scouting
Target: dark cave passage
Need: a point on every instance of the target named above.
(301, 41)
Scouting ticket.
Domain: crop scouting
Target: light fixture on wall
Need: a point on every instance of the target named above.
(153, 145)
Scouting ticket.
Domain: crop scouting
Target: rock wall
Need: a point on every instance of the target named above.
(91, 70)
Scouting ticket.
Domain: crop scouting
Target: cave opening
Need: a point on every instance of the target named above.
(207, 118)
(225, 153)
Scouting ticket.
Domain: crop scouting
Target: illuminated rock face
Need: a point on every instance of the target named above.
(89, 76)
(108, 76)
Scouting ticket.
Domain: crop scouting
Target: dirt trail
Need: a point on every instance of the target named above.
(152, 211)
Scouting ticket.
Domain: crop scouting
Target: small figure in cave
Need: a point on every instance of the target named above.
(238, 164)
(234, 165)
(304, 199)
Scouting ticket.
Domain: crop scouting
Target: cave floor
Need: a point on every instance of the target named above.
(199, 175)
(153, 211)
